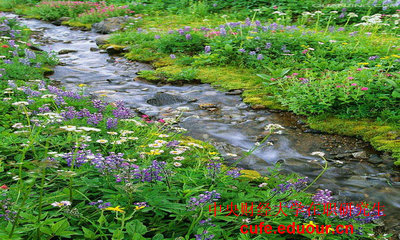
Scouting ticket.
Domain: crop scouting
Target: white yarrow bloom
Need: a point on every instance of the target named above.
(102, 141)
(68, 128)
(21, 103)
(320, 154)
(177, 164)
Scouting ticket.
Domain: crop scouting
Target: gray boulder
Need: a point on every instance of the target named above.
(162, 99)
(102, 40)
(110, 25)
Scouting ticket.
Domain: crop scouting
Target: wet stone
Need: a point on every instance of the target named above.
(94, 49)
(360, 155)
(162, 99)
(66, 51)
(234, 92)
(374, 159)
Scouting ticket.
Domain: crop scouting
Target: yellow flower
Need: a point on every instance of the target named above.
(385, 57)
(116, 209)
(363, 63)
(82, 85)
(212, 153)
(311, 223)
(248, 37)
(378, 65)
(138, 208)
(395, 56)
(345, 43)
(331, 230)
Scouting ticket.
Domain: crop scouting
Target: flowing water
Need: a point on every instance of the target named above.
(230, 125)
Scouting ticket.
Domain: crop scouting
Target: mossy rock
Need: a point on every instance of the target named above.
(71, 23)
(47, 71)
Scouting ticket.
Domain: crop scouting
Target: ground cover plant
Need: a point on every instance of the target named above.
(77, 167)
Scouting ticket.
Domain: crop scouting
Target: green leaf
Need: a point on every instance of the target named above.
(118, 235)
(59, 227)
(158, 236)
(136, 226)
(46, 230)
(396, 94)
(89, 234)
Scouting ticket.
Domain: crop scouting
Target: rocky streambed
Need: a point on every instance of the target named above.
(356, 172)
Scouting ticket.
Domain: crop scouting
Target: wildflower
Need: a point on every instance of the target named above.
(188, 36)
(263, 185)
(322, 196)
(260, 57)
(321, 154)
(178, 158)
(102, 141)
(177, 164)
(82, 85)
(242, 50)
(115, 209)
(21, 103)
(203, 199)
(140, 205)
(364, 89)
(61, 204)
(207, 49)
(4, 187)
(354, 84)
(172, 56)
(157, 37)
(311, 223)
(68, 128)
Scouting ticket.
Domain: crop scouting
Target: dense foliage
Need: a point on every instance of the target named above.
(83, 168)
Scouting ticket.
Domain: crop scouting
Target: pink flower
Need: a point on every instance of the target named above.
(4, 187)
(364, 89)
(161, 120)
(359, 69)
(272, 79)
(350, 78)
(304, 51)
(354, 84)
(338, 86)
(295, 74)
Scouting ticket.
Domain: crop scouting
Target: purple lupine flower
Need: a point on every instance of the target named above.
(95, 118)
(29, 54)
(188, 36)
(207, 49)
(248, 22)
(187, 29)
(373, 57)
(71, 113)
(181, 31)
(84, 113)
(100, 105)
(258, 23)
(242, 50)
(157, 36)
(222, 31)
(59, 100)
(252, 53)
(260, 57)
(111, 123)
(100, 204)
(173, 143)
(214, 168)
(322, 196)
(234, 173)
(172, 56)
(122, 112)
(141, 204)
(201, 200)
(77, 158)
(44, 109)
(171, 32)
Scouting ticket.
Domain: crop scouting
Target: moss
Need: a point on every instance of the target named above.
(71, 23)
(382, 137)
(47, 71)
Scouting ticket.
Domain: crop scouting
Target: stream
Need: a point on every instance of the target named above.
(227, 122)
